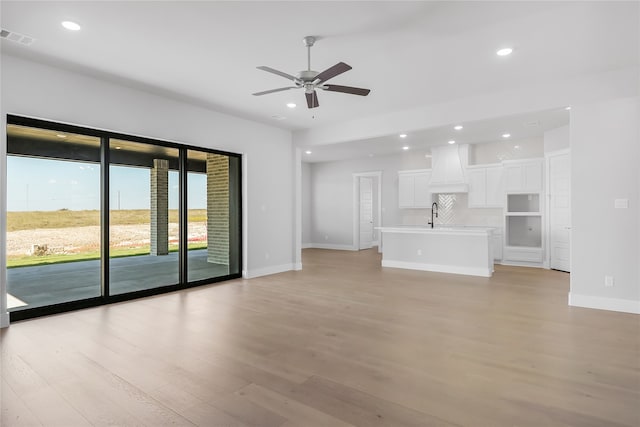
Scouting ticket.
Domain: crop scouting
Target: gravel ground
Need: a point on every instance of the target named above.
(70, 240)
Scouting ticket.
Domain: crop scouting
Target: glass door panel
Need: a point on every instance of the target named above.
(53, 217)
(213, 225)
(143, 216)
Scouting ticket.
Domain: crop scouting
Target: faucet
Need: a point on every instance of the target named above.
(434, 209)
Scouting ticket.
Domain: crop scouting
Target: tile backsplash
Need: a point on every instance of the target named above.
(453, 210)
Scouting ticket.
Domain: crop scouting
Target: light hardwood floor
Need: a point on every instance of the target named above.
(343, 342)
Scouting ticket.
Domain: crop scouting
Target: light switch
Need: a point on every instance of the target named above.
(621, 203)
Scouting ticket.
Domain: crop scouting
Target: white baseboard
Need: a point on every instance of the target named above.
(468, 271)
(297, 266)
(307, 245)
(603, 303)
(4, 320)
(520, 264)
(375, 243)
(274, 269)
(332, 246)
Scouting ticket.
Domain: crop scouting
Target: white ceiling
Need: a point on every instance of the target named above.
(519, 127)
(408, 53)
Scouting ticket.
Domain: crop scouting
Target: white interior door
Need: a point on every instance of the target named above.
(560, 212)
(366, 213)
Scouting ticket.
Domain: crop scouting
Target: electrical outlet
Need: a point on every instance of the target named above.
(621, 203)
(608, 281)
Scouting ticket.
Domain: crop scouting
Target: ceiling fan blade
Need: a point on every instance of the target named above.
(312, 99)
(279, 73)
(331, 72)
(346, 89)
(274, 90)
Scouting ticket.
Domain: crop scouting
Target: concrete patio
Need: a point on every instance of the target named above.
(56, 283)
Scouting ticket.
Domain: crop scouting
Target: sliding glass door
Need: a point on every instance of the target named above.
(95, 217)
(214, 211)
(53, 217)
(143, 216)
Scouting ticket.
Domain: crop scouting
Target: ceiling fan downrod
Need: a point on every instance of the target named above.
(308, 42)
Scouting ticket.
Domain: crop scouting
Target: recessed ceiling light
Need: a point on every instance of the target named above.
(428, 155)
(568, 108)
(71, 26)
(458, 127)
(308, 152)
(506, 135)
(517, 147)
(61, 135)
(405, 148)
(291, 105)
(452, 142)
(403, 135)
(118, 148)
(504, 51)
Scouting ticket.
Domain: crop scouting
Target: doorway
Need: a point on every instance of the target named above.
(367, 211)
(559, 173)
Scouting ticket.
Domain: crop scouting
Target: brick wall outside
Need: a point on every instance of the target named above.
(160, 207)
(217, 209)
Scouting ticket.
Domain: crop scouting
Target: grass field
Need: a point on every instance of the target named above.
(30, 260)
(17, 221)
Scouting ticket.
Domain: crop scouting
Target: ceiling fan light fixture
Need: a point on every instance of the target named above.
(504, 51)
(403, 135)
(451, 142)
(458, 127)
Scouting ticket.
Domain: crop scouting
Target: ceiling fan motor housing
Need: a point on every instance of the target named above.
(307, 76)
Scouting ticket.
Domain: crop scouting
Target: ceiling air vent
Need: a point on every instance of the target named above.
(531, 124)
(16, 37)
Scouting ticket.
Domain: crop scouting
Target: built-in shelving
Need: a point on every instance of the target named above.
(523, 227)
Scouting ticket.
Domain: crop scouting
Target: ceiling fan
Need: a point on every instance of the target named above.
(310, 80)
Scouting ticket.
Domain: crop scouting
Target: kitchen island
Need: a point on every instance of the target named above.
(458, 250)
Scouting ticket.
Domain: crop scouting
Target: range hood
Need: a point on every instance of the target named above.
(447, 169)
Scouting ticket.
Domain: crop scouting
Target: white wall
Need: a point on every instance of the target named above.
(332, 196)
(306, 204)
(497, 151)
(37, 90)
(556, 139)
(605, 160)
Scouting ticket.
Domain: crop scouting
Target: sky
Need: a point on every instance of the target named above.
(50, 185)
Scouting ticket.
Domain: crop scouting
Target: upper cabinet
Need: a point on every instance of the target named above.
(486, 187)
(523, 175)
(413, 189)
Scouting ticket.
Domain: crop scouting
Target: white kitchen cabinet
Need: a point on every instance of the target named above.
(496, 244)
(486, 189)
(523, 175)
(413, 189)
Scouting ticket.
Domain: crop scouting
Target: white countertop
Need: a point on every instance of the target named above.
(426, 229)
